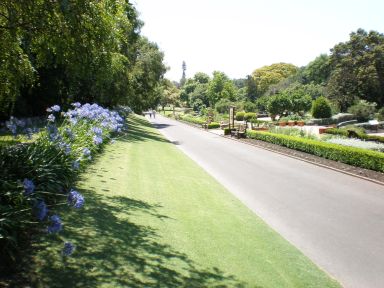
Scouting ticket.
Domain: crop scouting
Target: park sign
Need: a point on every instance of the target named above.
(231, 117)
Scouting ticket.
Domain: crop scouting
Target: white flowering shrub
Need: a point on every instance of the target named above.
(352, 142)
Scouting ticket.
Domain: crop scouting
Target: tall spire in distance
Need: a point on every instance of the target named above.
(183, 77)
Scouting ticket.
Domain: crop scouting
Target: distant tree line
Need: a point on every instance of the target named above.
(57, 52)
(352, 74)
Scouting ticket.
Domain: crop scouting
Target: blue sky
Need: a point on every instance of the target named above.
(237, 37)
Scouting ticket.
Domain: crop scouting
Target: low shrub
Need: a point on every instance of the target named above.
(213, 125)
(227, 131)
(194, 120)
(257, 121)
(343, 117)
(363, 110)
(240, 116)
(335, 119)
(359, 133)
(349, 155)
(249, 116)
(353, 142)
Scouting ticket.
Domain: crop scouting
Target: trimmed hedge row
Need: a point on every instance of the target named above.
(344, 132)
(193, 120)
(200, 121)
(213, 125)
(354, 156)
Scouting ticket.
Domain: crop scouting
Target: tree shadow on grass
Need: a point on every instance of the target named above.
(137, 131)
(113, 250)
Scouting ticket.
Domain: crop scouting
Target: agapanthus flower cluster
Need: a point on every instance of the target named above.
(51, 118)
(68, 249)
(85, 127)
(41, 210)
(21, 126)
(86, 152)
(56, 225)
(75, 199)
(110, 120)
(76, 164)
(29, 187)
(97, 140)
(13, 124)
(54, 108)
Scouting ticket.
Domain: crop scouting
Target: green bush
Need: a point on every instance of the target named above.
(380, 114)
(250, 106)
(249, 116)
(240, 116)
(213, 125)
(335, 119)
(227, 131)
(222, 106)
(343, 117)
(194, 120)
(363, 110)
(349, 155)
(257, 121)
(321, 108)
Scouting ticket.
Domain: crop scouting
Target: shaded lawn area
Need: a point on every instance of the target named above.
(154, 218)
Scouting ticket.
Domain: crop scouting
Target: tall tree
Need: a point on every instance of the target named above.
(318, 70)
(272, 74)
(63, 51)
(358, 69)
(251, 88)
(220, 87)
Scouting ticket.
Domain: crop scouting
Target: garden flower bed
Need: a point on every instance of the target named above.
(37, 176)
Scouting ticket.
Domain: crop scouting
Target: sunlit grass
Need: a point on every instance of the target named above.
(153, 218)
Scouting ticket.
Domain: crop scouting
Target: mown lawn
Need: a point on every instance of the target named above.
(154, 218)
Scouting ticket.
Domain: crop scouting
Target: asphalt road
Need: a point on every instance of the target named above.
(335, 219)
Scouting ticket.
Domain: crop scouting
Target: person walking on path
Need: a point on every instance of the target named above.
(154, 114)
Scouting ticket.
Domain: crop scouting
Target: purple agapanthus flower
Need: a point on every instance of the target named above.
(51, 118)
(75, 199)
(76, 165)
(76, 104)
(56, 225)
(68, 249)
(86, 152)
(98, 131)
(55, 108)
(29, 187)
(97, 140)
(41, 210)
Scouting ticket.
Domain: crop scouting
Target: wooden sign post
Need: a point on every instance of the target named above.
(231, 117)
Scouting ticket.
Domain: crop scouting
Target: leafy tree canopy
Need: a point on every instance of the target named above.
(357, 69)
(317, 71)
(64, 51)
(273, 74)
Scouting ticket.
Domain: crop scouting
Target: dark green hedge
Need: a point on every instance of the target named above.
(354, 156)
(213, 125)
(193, 120)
